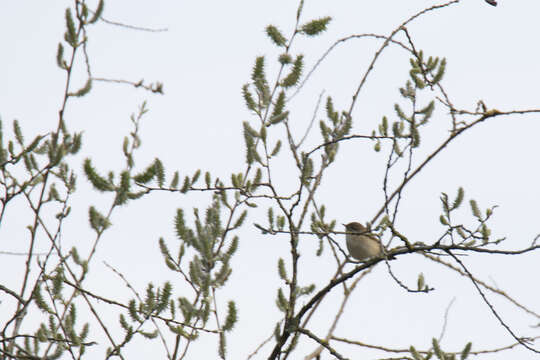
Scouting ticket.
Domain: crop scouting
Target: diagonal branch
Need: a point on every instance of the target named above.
(522, 341)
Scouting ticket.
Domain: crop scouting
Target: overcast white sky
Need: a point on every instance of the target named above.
(203, 60)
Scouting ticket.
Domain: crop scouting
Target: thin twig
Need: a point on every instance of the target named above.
(308, 130)
(113, 302)
(385, 44)
(322, 342)
(485, 285)
(131, 27)
(156, 87)
(445, 322)
(266, 341)
(522, 341)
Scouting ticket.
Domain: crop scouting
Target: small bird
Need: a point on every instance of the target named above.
(360, 243)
